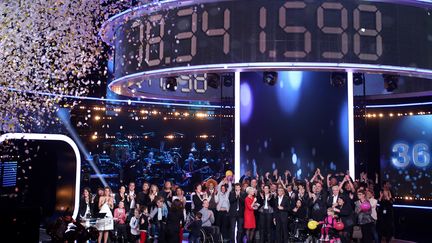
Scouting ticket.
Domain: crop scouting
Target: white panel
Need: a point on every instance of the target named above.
(351, 157)
(237, 126)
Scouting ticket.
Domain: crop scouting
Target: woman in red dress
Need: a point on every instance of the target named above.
(249, 217)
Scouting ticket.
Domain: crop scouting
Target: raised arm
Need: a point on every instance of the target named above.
(328, 180)
(229, 187)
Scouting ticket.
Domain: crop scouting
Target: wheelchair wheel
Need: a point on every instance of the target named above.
(204, 237)
(220, 239)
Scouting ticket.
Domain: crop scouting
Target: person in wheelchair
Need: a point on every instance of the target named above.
(298, 227)
(195, 229)
(208, 220)
(328, 231)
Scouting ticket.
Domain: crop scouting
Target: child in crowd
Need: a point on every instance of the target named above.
(195, 229)
(327, 224)
(143, 224)
(120, 222)
(134, 226)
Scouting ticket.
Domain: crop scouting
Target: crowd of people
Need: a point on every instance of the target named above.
(271, 207)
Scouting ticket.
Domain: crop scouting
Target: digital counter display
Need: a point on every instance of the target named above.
(275, 31)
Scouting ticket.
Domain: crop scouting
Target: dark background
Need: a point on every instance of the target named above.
(45, 188)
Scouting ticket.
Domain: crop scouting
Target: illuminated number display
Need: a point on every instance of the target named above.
(244, 31)
(419, 155)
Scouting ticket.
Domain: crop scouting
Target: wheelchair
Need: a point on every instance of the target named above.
(209, 234)
(314, 237)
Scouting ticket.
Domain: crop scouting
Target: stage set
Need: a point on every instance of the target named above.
(135, 122)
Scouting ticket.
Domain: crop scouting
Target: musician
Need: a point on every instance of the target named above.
(189, 165)
(222, 147)
(193, 148)
(150, 159)
(208, 147)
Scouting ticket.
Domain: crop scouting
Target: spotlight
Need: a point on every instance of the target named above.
(171, 83)
(228, 80)
(358, 78)
(270, 78)
(390, 82)
(338, 79)
(213, 80)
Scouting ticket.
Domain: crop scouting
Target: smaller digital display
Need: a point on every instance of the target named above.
(406, 147)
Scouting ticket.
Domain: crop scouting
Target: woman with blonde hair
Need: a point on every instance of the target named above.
(249, 216)
(106, 224)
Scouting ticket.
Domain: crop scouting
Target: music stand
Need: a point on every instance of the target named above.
(100, 215)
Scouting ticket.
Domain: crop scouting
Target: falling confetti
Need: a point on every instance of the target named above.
(48, 47)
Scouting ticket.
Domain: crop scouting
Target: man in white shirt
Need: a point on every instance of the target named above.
(332, 199)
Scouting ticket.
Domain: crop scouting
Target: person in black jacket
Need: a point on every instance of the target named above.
(385, 215)
(144, 223)
(299, 213)
(197, 198)
(318, 203)
(167, 192)
(86, 204)
(121, 197)
(281, 212)
(195, 229)
(100, 193)
(175, 220)
(236, 212)
(345, 212)
(143, 198)
(266, 202)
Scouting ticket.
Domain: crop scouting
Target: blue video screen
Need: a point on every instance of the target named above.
(8, 173)
(298, 124)
(406, 143)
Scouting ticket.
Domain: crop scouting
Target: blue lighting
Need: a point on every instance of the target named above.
(9, 173)
(399, 105)
(246, 102)
(412, 206)
(64, 116)
(343, 126)
(294, 158)
(288, 92)
(417, 124)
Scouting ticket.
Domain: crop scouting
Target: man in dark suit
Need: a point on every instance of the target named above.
(281, 212)
(236, 212)
(318, 203)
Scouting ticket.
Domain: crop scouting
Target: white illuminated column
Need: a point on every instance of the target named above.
(351, 124)
(53, 137)
(237, 126)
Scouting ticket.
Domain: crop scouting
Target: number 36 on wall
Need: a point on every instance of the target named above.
(402, 157)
